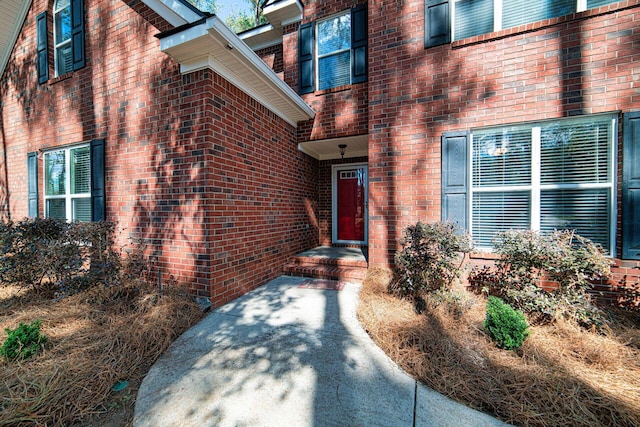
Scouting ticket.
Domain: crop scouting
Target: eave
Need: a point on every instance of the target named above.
(328, 149)
(12, 17)
(209, 43)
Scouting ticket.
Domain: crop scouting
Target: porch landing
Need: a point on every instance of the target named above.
(329, 262)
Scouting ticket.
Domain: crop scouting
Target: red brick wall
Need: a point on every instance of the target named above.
(209, 180)
(585, 63)
(340, 111)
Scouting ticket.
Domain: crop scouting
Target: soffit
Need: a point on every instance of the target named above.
(12, 15)
(327, 149)
(209, 43)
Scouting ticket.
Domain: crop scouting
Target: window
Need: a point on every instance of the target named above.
(62, 36)
(556, 175)
(540, 176)
(67, 184)
(458, 19)
(474, 17)
(333, 52)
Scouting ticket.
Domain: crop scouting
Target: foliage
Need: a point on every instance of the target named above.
(57, 255)
(205, 5)
(427, 260)
(23, 341)
(507, 327)
(529, 257)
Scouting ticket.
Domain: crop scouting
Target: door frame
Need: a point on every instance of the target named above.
(335, 169)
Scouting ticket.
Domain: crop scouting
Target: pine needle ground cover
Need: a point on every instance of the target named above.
(96, 339)
(562, 375)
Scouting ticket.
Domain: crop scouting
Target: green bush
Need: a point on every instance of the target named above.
(528, 257)
(23, 341)
(430, 257)
(507, 326)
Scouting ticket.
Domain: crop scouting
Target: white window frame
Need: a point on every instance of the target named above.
(68, 197)
(581, 6)
(57, 46)
(536, 188)
(318, 56)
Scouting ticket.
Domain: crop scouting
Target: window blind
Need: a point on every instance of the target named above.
(518, 12)
(502, 157)
(80, 170)
(498, 211)
(472, 17)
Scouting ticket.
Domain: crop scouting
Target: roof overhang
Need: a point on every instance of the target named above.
(209, 43)
(262, 37)
(278, 13)
(283, 12)
(13, 14)
(175, 12)
(328, 149)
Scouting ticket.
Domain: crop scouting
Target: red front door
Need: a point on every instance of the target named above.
(351, 203)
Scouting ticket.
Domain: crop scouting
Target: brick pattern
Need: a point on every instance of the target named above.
(210, 181)
(585, 63)
(340, 111)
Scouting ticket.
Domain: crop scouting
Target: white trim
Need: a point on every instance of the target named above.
(334, 202)
(15, 32)
(214, 44)
(318, 56)
(536, 187)
(67, 196)
(173, 11)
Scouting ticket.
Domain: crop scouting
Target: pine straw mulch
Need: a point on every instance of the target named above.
(95, 339)
(563, 375)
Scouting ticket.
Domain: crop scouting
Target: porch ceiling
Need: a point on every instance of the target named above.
(209, 43)
(327, 149)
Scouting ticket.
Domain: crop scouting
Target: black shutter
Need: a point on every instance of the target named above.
(437, 24)
(454, 177)
(32, 184)
(359, 44)
(77, 33)
(42, 48)
(305, 58)
(631, 186)
(98, 211)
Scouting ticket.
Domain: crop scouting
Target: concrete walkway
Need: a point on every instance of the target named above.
(286, 355)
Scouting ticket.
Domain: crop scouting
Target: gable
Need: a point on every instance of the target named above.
(11, 19)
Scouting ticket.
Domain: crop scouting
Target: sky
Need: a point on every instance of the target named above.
(226, 7)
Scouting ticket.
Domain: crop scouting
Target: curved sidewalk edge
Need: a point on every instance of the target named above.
(283, 355)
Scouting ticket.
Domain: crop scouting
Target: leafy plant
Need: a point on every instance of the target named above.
(430, 257)
(23, 341)
(527, 258)
(57, 255)
(506, 326)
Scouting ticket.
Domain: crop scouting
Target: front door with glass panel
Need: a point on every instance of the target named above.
(350, 204)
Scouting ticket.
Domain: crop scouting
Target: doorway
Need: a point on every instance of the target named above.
(350, 203)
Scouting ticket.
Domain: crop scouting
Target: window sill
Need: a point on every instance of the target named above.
(534, 26)
(61, 78)
(484, 255)
(338, 89)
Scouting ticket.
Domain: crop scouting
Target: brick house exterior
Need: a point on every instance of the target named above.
(225, 165)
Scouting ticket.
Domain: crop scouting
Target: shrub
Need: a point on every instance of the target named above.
(506, 326)
(427, 260)
(23, 341)
(59, 255)
(528, 257)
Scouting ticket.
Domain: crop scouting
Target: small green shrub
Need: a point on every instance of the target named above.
(528, 257)
(430, 257)
(23, 341)
(507, 326)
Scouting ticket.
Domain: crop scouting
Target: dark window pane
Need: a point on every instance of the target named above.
(334, 70)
